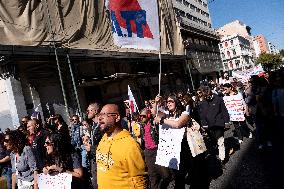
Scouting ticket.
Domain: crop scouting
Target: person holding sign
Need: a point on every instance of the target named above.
(236, 107)
(173, 150)
(62, 158)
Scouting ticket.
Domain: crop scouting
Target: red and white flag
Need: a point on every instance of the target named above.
(135, 23)
(132, 103)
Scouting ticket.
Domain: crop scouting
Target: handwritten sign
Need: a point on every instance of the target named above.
(169, 147)
(59, 181)
(235, 107)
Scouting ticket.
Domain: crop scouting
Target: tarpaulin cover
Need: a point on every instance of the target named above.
(83, 24)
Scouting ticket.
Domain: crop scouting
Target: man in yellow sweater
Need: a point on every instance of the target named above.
(119, 158)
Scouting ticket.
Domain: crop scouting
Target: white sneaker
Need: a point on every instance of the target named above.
(250, 134)
(269, 144)
(260, 147)
(240, 141)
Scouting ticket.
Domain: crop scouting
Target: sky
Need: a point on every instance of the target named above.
(263, 16)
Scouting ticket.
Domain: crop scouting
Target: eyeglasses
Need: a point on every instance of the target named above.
(47, 143)
(107, 114)
(143, 116)
(170, 101)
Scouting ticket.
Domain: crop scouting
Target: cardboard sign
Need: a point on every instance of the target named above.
(169, 147)
(59, 181)
(235, 107)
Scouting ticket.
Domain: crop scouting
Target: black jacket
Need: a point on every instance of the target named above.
(213, 112)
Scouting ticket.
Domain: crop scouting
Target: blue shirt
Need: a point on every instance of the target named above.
(25, 165)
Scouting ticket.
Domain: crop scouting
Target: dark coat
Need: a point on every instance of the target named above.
(213, 112)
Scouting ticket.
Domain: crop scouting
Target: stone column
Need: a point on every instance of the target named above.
(15, 100)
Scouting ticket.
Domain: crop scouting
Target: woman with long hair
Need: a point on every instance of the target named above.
(61, 127)
(177, 119)
(62, 158)
(22, 159)
(5, 161)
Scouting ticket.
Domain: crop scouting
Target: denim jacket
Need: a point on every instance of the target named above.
(76, 140)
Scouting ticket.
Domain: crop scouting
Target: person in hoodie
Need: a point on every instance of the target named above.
(119, 158)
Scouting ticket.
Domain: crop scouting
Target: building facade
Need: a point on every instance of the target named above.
(262, 43)
(201, 41)
(272, 48)
(237, 27)
(60, 63)
(236, 53)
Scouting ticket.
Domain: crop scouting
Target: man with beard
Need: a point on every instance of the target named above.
(92, 112)
(119, 160)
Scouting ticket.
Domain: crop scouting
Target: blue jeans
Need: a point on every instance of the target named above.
(7, 172)
(85, 161)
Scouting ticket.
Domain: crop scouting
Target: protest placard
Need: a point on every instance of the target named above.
(235, 107)
(169, 147)
(59, 181)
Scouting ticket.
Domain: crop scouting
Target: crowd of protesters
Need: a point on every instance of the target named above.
(106, 150)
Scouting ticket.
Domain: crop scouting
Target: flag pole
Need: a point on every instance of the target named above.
(160, 51)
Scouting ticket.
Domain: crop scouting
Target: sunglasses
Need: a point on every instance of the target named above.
(170, 101)
(48, 143)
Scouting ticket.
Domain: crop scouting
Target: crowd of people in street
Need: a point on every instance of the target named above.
(113, 149)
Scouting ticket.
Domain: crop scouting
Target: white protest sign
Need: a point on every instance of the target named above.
(59, 181)
(169, 147)
(235, 107)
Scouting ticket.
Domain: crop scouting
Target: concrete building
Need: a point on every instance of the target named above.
(237, 27)
(236, 53)
(201, 41)
(272, 48)
(31, 78)
(262, 43)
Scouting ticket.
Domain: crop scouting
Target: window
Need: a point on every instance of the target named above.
(192, 6)
(198, 10)
(209, 25)
(189, 16)
(204, 4)
(196, 41)
(226, 44)
(223, 55)
(237, 62)
(228, 53)
(232, 42)
(189, 39)
(201, 42)
(195, 19)
(182, 13)
(231, 64)
(206, 43)
(221, 46)
(185, 3)
(200, 2)
(234, 52)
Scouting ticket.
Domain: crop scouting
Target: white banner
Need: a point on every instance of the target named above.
(235, 107)
(59, 181)
(135, 23)
(169, 147)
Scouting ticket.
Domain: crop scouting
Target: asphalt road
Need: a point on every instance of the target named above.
(251, 168)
